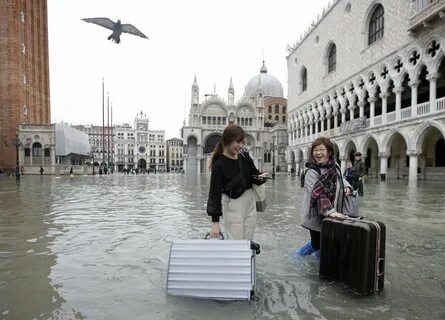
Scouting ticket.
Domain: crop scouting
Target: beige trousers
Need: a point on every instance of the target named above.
(239, 216)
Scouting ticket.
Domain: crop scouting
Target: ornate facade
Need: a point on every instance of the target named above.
(261, 112)
(374, 84)
(138, 147)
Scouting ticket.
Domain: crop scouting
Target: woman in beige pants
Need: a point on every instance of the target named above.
(233, 173)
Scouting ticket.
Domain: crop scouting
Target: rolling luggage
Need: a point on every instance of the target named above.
(353, 252)
(213, 269)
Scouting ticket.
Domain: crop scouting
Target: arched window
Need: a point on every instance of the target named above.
(376, 24)
(303, 79)
(332, 58)
(36, 149)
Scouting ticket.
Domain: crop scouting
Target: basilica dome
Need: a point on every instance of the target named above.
(264, 83)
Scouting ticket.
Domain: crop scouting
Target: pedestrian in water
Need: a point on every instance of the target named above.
(324, 188)
(71, 171)
(358, 172)
(41, 170)
(349, 172)
(233, 173)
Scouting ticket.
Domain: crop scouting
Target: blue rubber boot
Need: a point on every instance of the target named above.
(316, 254)
(304, 250)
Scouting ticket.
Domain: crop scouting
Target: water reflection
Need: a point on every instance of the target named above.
(97, 248)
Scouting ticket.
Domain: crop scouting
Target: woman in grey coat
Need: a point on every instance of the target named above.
(324, 187)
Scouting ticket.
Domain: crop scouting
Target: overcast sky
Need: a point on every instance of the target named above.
(212, 39)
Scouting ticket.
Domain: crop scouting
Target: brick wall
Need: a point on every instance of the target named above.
(24, 70)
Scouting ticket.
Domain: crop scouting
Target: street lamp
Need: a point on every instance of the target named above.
(93, 150)
(273, 157)
(18, 143)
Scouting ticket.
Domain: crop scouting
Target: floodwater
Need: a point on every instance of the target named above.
(97, 248)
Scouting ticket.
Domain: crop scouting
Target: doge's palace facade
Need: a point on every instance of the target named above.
(374, 83)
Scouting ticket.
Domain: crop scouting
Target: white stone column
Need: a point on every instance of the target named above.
(383, 165)
(297, 166)
(53, 155)
(413, 85)
(317, 121)
(361, 105)
(432, 78)
(335, 119)
(311, 125)
(398, 91)
(351, 112)
(21, 156)
(343, 160)
(198, 164)
(371, 101)
(384, 96)
(343, 112)
(413, 164)
(30, 155)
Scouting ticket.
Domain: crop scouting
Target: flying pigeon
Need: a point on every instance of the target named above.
(117, 28)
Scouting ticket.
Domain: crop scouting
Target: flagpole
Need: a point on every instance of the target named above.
(103, 121)
(108, 131)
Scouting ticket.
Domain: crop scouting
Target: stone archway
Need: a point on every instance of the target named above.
(142, 164)
(211, 142)
(371, 152)
(398, 161)
(431, 160)
(37, 153)
(350, 149)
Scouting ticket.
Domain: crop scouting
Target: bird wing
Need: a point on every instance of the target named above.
(129, 28)
(103, 22)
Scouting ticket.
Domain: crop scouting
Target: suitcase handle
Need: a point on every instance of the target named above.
(208, 237)
(380, 268)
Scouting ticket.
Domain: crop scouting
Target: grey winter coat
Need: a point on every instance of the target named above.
(310, 217)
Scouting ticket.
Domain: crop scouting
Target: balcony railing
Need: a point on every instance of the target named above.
(421, 110)
(425, 11)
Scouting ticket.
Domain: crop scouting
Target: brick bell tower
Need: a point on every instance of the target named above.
(24, 71)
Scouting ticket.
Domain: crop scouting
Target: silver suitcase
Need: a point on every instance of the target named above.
(212, 269)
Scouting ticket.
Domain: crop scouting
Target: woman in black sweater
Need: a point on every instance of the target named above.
(233, 173)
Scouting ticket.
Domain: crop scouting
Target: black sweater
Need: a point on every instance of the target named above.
(226, 178)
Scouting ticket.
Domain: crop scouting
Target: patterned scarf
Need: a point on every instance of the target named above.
(323, 194)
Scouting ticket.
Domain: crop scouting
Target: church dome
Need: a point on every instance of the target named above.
(265, 83)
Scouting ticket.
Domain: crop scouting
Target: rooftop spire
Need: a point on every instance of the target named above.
(231, 83)
(263, 68)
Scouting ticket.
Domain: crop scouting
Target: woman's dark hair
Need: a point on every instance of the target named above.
(327, 143)
(231, 133)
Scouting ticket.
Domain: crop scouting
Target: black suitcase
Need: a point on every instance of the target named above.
(353, 252)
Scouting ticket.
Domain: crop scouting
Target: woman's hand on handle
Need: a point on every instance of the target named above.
(337, 215)
(214, 233)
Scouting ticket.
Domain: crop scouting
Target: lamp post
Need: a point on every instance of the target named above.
(93, 150)
(273, 157)
(18, 143)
